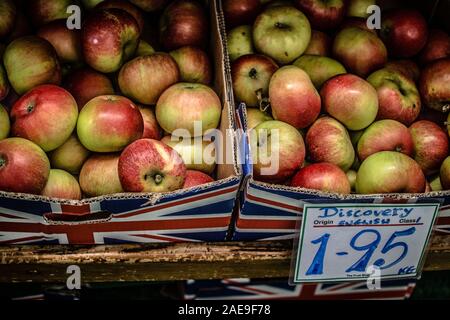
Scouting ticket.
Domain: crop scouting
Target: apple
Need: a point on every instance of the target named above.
(430, 145)
(62, 185)
(4, 84)
(99, 175)
(4, 123)
(360, 51)
(45, 11)
(85, 84)
(238, 12)
(239, 42)
(351, 100)
(31, 61)
(251, 74)
(183, 23)
(358, 23)
(351, 176)
(327, 140)
(398, 96)
(70, 156)
(196, 178)
(293, 97)
(90, 4)
(282, 33)
(152, 129)
(408, 67)
(144, 49)
(109, 123)
(320, 44)
(255, 117)
(8, 13)
(437, 47)
(197, 154)
(278, 151)
(389, 172)
(24, 167)
(433, 85)
(385, 135)
(358, 8)
(149, 165)
(435, 183)
(325, 177)
(46, 115)
(319, 68)
(183, 105)
(66, 42)
(194, 64)
(21, 27)
(109, 38)
(323, 14)
(144, 79)
(149, 5)
(126, 6)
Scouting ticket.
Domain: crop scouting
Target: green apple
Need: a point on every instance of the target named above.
(4, 84)
(319, 68)
(5, 124)
(239, 42)
(255, 117)
(358, 8)
(62, 185)
(435, 183)
(144, 49)
(351, 176)
(90, 4)
(70, 156)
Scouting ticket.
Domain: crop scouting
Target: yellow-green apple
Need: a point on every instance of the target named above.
(126, 6)
(31, 61)
(406, 66)
(255, 117)
(293, 97)
(278, 151)
(109, 38)
(196, 178)
(355, 136)
(144, 49)
(149, 165)
(196, 153)
(404, 31)
(109, 123)
(444, 174)
(85, 84)
(24, 166)
(327, 140)
(8, 13)
(90, 4)
(319, 68)
(194, 64)
(46, 115)
(282, 33)
(4, 84)
(320, 44)
(100, 175)
(351, 100)
(66, 42)
(358, 8)
(239, 42)
(144, 79)
(184, 106)
(359, 50)
(183, 23)
(251, 75)
(358, 23)
(152, 130)
(437, 47)
(62, 185)
(433, 85)
(435, 183)
(398, 96)
(323, 14)
(238, 12)
(45, 11)
(351, 176)
(4, 123)
(385, 135)
(70, 156)
(149, 5)
(430, 145)
(390, 172)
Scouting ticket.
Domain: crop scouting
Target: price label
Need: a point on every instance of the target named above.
(344, 242)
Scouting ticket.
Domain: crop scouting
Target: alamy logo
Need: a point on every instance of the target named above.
(74, 280)
(374, 279)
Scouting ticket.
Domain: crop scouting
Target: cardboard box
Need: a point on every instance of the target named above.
(198, 214)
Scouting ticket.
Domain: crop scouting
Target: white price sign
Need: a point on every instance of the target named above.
(342, 242)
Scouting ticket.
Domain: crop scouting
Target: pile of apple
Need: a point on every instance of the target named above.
(354, 108)
(88, 112)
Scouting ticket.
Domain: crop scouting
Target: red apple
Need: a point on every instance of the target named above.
(433, 85)
(85, 84)
(149, 5)
(70, 156)
(62, 185)
(99, 175)
(109, 38)
(109, 123)
(385, 135)
(323, 14)
(45, 11)
(320, 44)
(238, 12)
(325, 177)
(408, 67)
(196, 178)
(437, 47)
(293, 97)
(145, 78)
(8, 14)
(24, 167)
(444, 173)
(152, 130)
(183, 23)
(126, 6)
(404, 31)
(251, 75)
(46, 115)
(194, 64)
(151, 166)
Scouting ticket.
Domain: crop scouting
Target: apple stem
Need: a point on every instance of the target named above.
(263, 102)
(445, 107)
(158, 178)
(2, 162)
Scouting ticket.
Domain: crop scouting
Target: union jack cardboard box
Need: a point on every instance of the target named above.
(196, 214)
